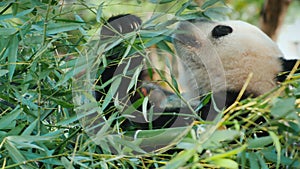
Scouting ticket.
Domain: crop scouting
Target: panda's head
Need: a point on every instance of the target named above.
(230, 51)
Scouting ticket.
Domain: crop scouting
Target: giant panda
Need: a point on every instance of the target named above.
(220, 55)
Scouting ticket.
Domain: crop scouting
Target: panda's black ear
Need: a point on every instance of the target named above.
(221, 30)
(120, 24)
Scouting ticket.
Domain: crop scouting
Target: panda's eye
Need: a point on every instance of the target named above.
(221, 30)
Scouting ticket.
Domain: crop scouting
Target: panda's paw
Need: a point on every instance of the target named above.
(120, 24)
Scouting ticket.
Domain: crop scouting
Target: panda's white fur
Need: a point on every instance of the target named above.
(229, 59)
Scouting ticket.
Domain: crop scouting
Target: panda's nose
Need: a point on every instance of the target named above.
(221, 30)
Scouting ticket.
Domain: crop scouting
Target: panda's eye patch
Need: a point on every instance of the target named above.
(221, 30)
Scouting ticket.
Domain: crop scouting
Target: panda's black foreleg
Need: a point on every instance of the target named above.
(116, 27)
(120, 25)
(219, 101)
(287, 66)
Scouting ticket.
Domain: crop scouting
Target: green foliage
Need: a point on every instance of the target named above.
(43, 50)
(247, 10)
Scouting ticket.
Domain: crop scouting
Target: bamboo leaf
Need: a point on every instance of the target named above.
(260, 142)
(7, 31)
(227, 154)
(62, 102)
(184, 6)
(99, 12)
(29, 138)
(66, 163)
(282, 107)
(15, 7)
(210, 3)
(180, 159)
(3, 72)
(30, 128)
(226, 163)
(253, 161)
(161, 1)
(128, 144)
(16, 155)
(134, 79)
(55, 28)
(12, 56)
(8, 121)
(277, 146)
(10, 16)
(262, 162)
(221, 135)
(152, 33)
(111, 92)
